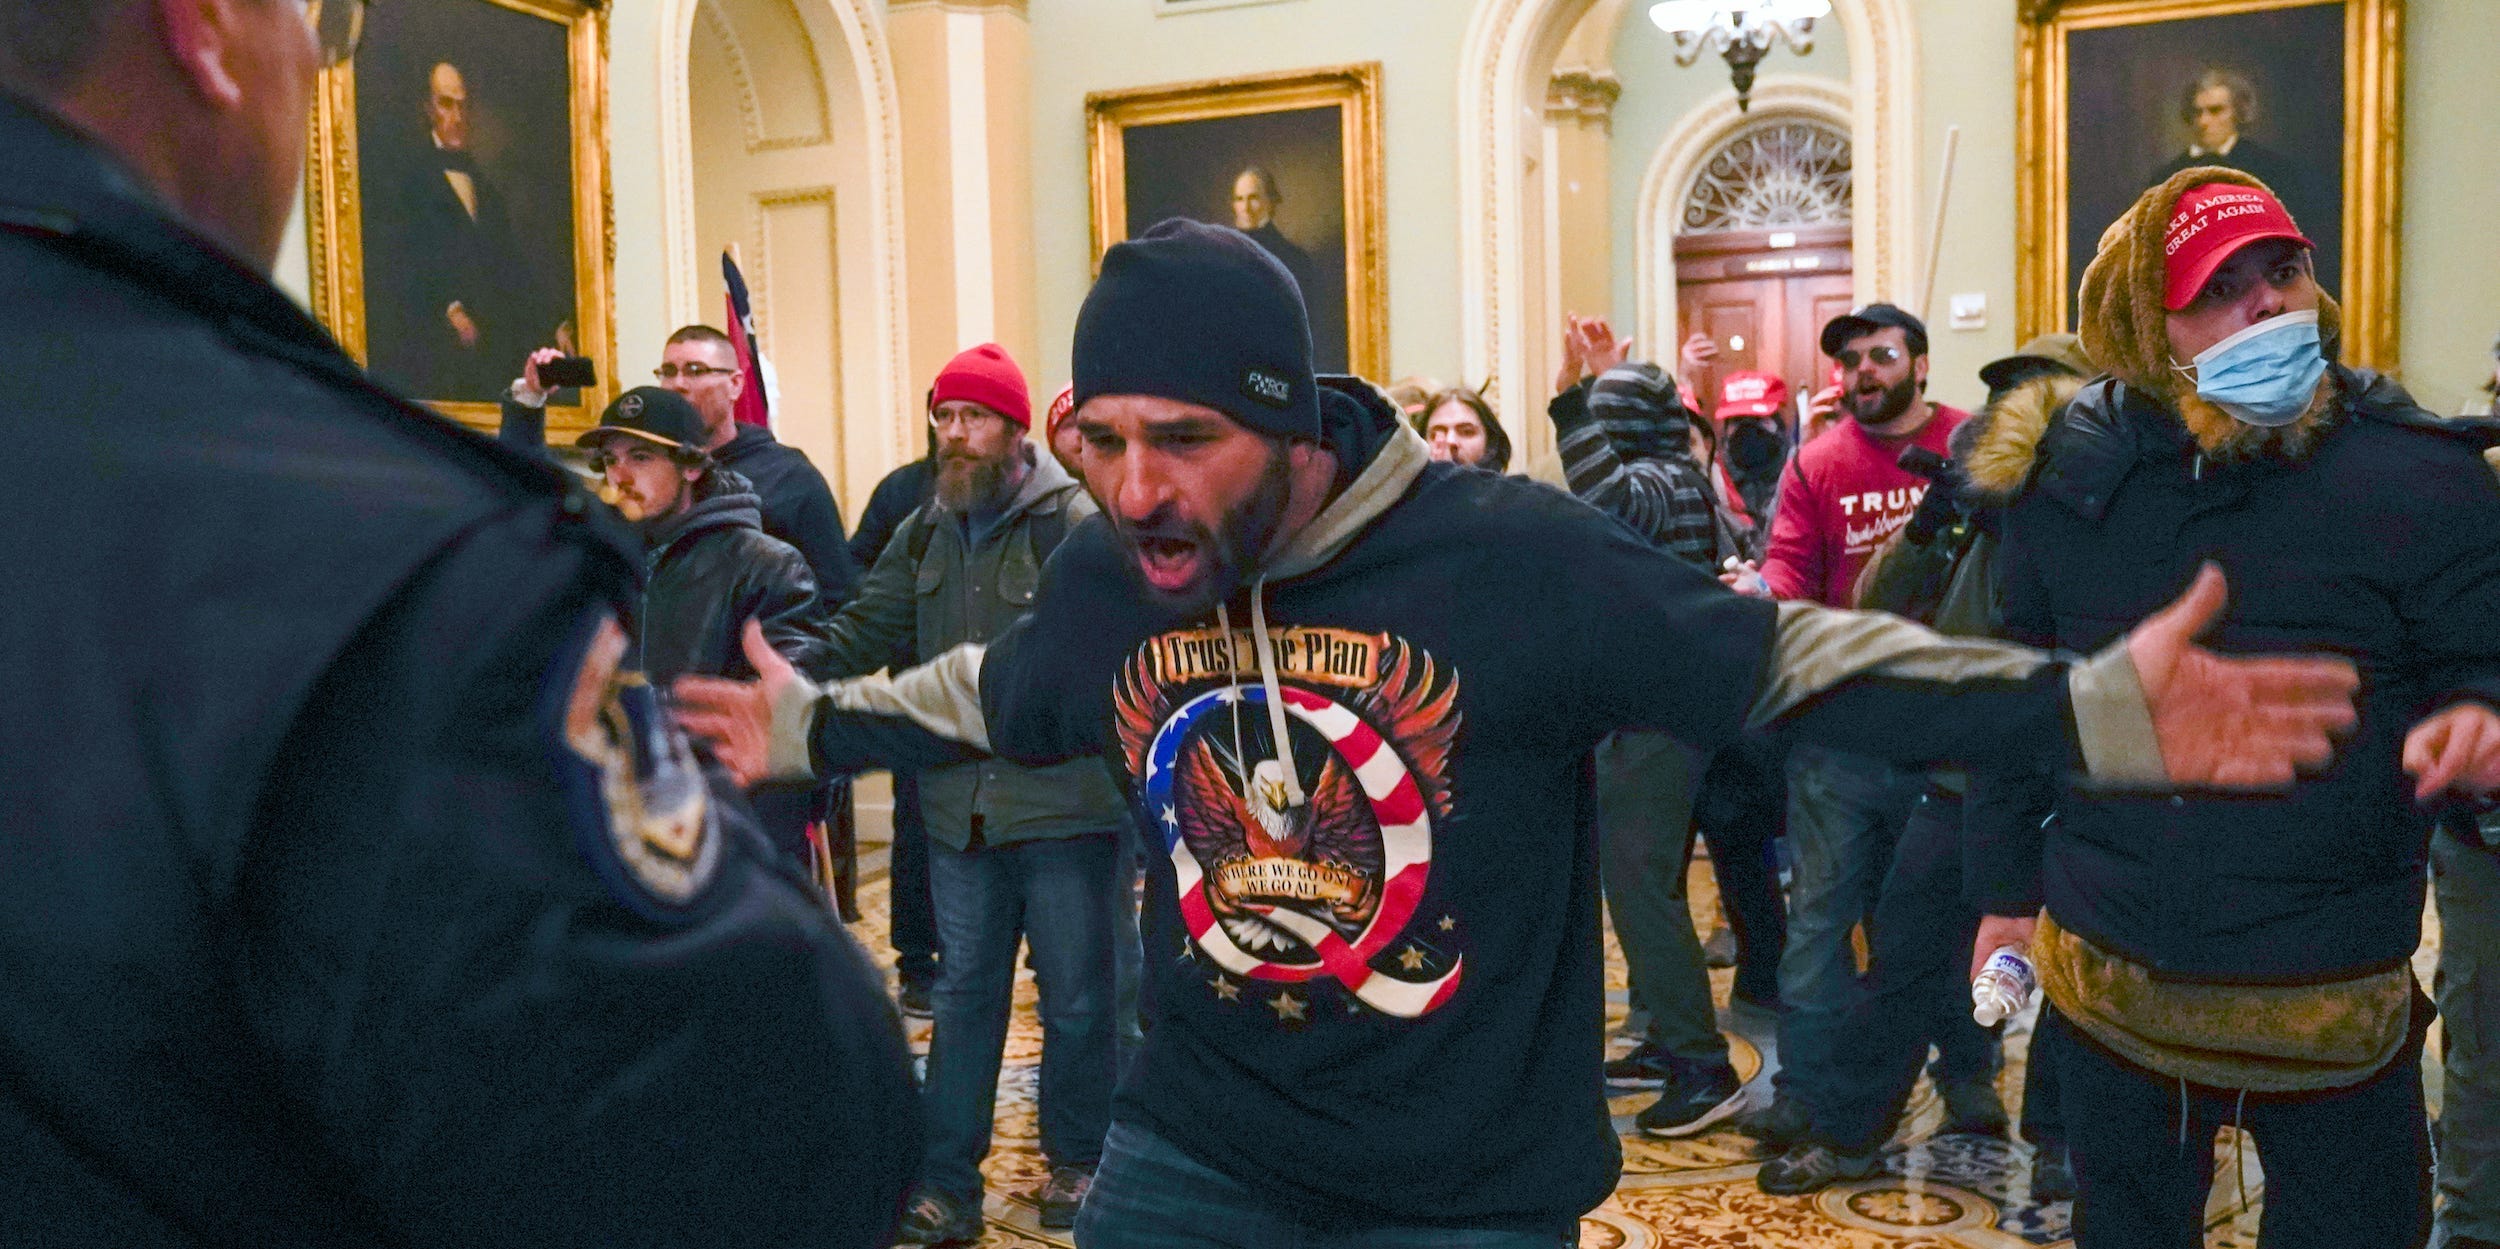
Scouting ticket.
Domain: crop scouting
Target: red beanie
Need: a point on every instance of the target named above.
(985, 375)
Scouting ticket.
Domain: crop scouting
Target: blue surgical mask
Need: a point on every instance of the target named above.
(2266, 374)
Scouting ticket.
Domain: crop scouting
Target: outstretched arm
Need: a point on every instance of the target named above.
(784, 727)
(2155, 711)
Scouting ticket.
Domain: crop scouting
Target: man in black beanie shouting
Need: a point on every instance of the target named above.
(1354, 695)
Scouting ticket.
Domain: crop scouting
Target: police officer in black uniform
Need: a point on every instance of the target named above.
(352, 888)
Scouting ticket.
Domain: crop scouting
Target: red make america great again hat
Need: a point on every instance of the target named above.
(2208, 224)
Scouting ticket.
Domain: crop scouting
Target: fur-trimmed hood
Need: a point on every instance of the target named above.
(1997, 446)
(2124, 327)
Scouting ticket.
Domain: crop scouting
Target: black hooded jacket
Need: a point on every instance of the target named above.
(795, 505)
(712, 567)
(1404, 966)
(317, 925)
(2377, 545)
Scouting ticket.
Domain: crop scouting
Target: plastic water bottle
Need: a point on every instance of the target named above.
(2005, 985)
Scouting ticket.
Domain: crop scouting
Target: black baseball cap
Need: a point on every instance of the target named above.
(2047, 353)
(661, 417)
(1840, 329)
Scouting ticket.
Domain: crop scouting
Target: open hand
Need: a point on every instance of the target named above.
(1698, 351)
(735, 718)
(1600, 350)
(2226, 722)
(1568, 373)
(2455, 751)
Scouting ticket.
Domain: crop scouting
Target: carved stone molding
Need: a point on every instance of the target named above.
(1507, 64)
(860, 27)
(1589, 95)
(1684, 155)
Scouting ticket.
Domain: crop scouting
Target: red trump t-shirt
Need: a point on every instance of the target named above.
(1840, 497)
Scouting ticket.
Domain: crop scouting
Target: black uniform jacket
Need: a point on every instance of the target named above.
(316, 925)
(2377, 545)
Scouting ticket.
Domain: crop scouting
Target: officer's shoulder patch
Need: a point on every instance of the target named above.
(643, 815)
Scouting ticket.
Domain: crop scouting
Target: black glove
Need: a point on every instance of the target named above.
(1940, 510)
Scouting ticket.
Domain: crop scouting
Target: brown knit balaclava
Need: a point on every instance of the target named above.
(2123, 325)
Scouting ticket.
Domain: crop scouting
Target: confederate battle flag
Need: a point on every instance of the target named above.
(753, 406)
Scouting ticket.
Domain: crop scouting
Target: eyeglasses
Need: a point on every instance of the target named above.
(969, 419)
(691, 372)
(339, 25)
(1874, 355)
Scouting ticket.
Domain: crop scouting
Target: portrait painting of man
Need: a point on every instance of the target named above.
(1290, 159)
(2262, 92)
(464, 133)
(1277, 177)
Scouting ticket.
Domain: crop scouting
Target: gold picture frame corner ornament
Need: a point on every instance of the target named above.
(334, 215)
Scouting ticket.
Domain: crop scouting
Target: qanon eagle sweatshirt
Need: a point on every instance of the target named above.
(1372, 929)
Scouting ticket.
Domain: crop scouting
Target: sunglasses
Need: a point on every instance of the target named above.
(1886, 354)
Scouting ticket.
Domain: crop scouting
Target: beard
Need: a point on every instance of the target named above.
(1882, 407)
(1190, 567)
(971, 483)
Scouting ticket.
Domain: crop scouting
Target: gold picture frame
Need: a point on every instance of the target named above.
(1153, 147)
(364, 161)
(2082, 48)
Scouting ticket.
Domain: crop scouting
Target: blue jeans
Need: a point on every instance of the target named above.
(1059, 896)
(1150, 1195)
(1845, 816)
(1917, 991)
(2466, 880)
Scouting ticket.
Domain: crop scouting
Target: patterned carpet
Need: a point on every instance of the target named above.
(1936, 1192)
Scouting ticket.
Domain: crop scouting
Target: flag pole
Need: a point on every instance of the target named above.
(1935, 238)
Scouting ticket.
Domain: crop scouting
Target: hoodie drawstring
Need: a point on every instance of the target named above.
(1265, 649)
(1241, 756)
(1275, 697)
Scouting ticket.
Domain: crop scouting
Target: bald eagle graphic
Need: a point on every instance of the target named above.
(1232, 813)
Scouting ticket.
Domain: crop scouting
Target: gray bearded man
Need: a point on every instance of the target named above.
(1015, 853)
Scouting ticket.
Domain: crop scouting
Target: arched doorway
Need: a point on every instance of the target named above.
(779, 136)
(1508, 245)
(1747, 226)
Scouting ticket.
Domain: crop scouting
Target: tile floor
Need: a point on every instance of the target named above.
(1936, 1192)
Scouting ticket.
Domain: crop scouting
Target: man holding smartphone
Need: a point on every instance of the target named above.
(699, 364)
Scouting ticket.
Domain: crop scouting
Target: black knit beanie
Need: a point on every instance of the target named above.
(1202, 314)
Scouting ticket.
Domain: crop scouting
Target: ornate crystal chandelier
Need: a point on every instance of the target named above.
(1739, 30)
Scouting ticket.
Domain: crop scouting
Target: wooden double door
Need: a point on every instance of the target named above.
(1763, 296)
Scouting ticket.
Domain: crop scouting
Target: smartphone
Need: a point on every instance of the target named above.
(568, 373)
